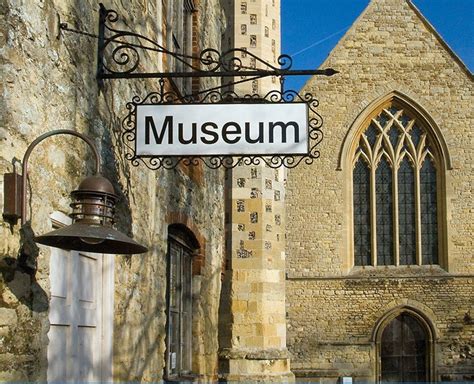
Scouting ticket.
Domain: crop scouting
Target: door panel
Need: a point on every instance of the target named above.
(78, 350)
(404, 351)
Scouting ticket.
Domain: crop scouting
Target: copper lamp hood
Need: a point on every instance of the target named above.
(93, 209)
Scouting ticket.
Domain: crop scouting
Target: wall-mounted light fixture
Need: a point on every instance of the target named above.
(93, 209)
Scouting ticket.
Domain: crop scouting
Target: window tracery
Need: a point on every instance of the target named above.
(395, 178)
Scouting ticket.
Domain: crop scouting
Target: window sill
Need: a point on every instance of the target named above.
(397, 271)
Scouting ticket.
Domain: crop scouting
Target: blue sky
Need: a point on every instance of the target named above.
(311, 28)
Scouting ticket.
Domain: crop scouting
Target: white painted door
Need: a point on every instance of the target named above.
(80, 316)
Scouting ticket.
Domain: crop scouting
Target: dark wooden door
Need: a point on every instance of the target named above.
(404, 351)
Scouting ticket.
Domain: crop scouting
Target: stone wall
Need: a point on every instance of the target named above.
(333, 306)
(331, 325)
(49, 83)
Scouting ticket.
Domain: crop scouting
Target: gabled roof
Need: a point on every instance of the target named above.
(432, 29)
(424, 21)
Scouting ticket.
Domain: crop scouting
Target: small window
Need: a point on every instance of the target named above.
(243, 29)
(253, 18)
(181, 248)
(179, 32)
(267, 32)
(253, 62)
(273, 45)
(243, 7)
(253, 41)
(274, 24)
(244, 52)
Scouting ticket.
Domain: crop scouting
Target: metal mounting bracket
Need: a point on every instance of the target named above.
(120, 54)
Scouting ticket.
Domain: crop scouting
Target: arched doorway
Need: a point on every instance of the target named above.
(405, 350)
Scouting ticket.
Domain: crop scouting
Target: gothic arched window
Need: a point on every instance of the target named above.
(395, 191)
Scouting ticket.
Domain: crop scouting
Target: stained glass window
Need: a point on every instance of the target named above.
(362, 214)
(384, 215)
(403, 186)
(429, 214)
(406, 213)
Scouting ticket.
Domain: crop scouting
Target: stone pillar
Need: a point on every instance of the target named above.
(253, 321)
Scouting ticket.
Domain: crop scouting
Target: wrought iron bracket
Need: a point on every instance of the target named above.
(120, 54)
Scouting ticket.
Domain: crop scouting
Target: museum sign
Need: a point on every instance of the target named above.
(222, 129)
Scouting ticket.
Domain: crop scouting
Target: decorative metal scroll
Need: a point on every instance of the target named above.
(120, 53)
(129, 126)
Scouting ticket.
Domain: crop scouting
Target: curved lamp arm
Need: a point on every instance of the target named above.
(30, 148)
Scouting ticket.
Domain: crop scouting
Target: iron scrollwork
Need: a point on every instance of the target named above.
(215, 161)
(120, 53)
(119, 56)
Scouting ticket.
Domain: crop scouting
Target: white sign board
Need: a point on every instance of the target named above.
(222, 129)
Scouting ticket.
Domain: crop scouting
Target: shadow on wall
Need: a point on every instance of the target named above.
(21, 283)
(19, 274)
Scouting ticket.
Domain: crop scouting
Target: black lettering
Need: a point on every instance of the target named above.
(283, 130)
(181, 138)
(259, 139)
(150, 124)
(227, 131)
(207, 131)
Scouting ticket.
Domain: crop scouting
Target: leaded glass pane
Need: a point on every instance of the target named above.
(393, 134)
(406, 213)
(404, 119)
(416, 135)
(383, 119)
(429, 214)
(384, 213)
(393, 110)
(362, 254)
(371, 135)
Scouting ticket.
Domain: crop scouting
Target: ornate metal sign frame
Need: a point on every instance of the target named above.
(129, 126)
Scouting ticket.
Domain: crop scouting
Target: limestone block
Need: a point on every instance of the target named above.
(8, 317)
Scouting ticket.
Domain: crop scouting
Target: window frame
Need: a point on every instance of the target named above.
(392, 158)
(179, 236)
(179, 38)
(346, 160)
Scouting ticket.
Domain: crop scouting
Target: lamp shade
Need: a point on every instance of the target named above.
(91, 238)
(91, 231)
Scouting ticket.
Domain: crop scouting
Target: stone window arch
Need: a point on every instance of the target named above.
(396, 167)
(405, 346)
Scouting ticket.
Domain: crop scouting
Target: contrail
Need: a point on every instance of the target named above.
(320, 41)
